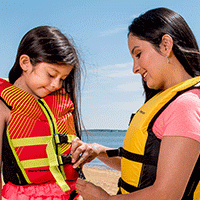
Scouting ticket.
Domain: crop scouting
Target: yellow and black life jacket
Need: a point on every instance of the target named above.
(141, 147)
(37, 141)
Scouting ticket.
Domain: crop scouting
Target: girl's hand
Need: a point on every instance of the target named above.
(87, 151)
(89, 191)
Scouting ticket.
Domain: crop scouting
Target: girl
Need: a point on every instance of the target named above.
(160, 154)
(39, 117)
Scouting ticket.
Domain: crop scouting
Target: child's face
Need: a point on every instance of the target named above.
(44, 78)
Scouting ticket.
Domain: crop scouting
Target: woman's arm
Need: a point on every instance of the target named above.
(177, 158)
(89, 152)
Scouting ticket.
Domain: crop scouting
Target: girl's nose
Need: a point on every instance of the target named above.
(56, 84)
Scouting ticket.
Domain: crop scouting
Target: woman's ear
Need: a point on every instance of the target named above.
(166, 45)
(24, 62)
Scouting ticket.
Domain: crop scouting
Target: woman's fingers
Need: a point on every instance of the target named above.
(75, 143)
(81, 152)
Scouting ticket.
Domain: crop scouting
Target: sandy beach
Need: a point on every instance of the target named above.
(107, 179)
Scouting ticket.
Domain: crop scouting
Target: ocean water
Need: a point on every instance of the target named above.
(109, 138)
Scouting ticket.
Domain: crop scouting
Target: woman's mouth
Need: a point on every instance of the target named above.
(144, 75)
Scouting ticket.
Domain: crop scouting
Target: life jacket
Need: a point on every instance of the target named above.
(37, 141)
(141, 147)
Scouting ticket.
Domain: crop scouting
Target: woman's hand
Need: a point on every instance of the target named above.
(87, 151)
(89, 191)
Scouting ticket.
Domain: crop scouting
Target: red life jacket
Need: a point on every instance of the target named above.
(36, 143)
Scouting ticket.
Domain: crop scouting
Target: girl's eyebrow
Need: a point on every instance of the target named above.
(57, 71)
(54, 69)
(132, 51)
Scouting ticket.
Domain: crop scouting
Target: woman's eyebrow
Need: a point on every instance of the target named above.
(132, 51)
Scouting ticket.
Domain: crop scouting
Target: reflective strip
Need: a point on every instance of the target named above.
(30, 141)
(43, 162)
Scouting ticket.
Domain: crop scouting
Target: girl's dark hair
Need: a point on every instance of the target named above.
(152, 25)
(48, 44)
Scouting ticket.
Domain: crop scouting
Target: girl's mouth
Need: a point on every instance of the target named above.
(47, 90)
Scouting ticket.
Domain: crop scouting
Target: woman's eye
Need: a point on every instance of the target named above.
(138, 55)
(51, 76)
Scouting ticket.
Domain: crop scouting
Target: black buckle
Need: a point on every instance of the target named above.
(114, 152)
(80, 173)
(63, 138)
(66, 159)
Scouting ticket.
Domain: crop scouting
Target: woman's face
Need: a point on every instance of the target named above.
(148, 62)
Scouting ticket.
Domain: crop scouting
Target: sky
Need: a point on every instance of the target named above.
(110, 91)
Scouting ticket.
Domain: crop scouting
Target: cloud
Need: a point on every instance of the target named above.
(113, 71)
(115, 78)
(130, 87)
(113, 31)
(124, 106)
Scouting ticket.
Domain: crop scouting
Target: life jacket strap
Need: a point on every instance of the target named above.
(129, 188)
(54, 166)
(114, 152)
(20, 142)
(145, 159)
(63, 138)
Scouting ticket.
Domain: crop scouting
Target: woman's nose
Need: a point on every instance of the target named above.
(136, 68)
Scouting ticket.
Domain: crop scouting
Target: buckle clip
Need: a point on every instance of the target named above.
(61, 138)
(65, 159)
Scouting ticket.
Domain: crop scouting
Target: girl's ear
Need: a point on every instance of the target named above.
(166, 45)
(24, 62)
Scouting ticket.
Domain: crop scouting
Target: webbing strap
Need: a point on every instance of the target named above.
(19, 142)
(30, 141)
(150, 160)
(53, 166)
(129, 188)
(43, 162)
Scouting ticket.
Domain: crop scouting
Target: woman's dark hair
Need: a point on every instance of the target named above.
(152, 25)
(48, 44)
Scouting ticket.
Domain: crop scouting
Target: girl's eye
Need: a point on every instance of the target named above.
(138, 55)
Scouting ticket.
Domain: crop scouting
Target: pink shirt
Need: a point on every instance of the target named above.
(181, 117)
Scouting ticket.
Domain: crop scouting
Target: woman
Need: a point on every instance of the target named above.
(160, 154)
